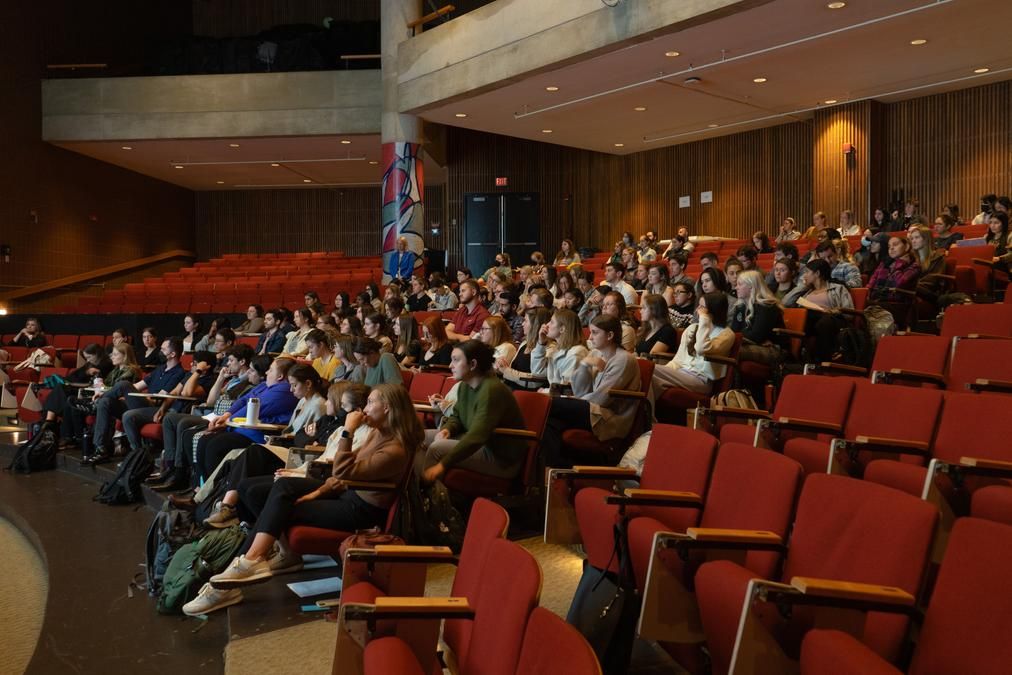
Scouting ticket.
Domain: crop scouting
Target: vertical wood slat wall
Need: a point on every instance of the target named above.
(840, 181)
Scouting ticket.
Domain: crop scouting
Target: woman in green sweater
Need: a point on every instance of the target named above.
(465, 438)
(375, 366)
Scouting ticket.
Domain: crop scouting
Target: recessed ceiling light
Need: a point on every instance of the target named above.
(672, 54)
(345, 141)
(980, 71)
(233, 145)
(546, 131)
(620, 145)
(461, 115)
(918, 42)
(640, 108)
(830, 101)
(128, 147)
(551, 88)
(758, 80)
(306, 180)
(220, 182)
(373, 161)
(713, 126)
(837, 5)
(179, 166)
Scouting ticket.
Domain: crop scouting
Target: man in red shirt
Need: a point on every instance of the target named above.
(470, 314)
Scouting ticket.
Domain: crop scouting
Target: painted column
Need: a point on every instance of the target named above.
(403, 184)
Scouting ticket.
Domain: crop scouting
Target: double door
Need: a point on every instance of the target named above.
(500, 222)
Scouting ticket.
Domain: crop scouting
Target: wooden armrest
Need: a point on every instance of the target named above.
(982, 261)
(423, 605)
(904, 291)
(799, 424)
(789, 333)
(842, 367)
(644, 497)
(369, 485)
(985, 336)
(728, 535)
(616, 471)
(425, 407)
(851, 590)
(626, 393)
(936, 275)
(983, 384)
(981, 463)
(716, 358)
(894, 445)
(911, 376)
(737, 413)
(660, 356)
(397, 550)
(308, 451)
(402, 554)
(533, 377)
(518, 433)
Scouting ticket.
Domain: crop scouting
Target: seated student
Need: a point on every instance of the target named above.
(373, 298)
(419, 299)
(310, 389)
(873, 251)
(682, 308)
(179, 428)
(374, 327)
(656, 334)
(207, 342)
(657, 280)
(385, 456)
(465, 437)
(689, 369)
(508, 303)
(313, 304)
(515, 369)
(374, 366)
(224, 339)
(676, 268)
(295, 340)
(30, 336)
(823, 300)
(60, 402)
(761, 242)
(819, 223)
(755, 316)
(392, 309)
(881, 222)
(560, 349)
(788, 231)
(114, 402)
(709, 260)
(345, 358)
(614, 278)
(831, 235)
(712, 280)
(323, 359)
(191, 332)
(496, 334)
(843, 272)
(899, 269)
(785, 277)
(614, 305)
(254, 323)
(748, 256)
(443, 299)
(944, 236)
(119, 335)
(952, 210)
(567, 254)
(277, 403)
(732, 268)
(848, 228)
(591, 407)
(572, 300)
(351, 326)
(439, 348)
(407, 348)
(931, 261)
(645, 253)
(784, 250)
(467, 321)
(272, 339)
(999, 237)
(342, 306)
(149, 356)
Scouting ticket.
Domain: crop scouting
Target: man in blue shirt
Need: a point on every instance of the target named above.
(272, 339)
(402, 262)
(114, 403)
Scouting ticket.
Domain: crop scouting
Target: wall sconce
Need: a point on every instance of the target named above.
(848, 148)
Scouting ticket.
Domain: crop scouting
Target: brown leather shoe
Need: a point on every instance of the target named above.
(183, 501)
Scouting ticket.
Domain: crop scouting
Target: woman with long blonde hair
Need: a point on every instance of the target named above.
(756, 315)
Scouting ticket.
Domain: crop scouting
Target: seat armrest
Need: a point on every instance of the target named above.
(840, 368)
(735, 413)
(882, 444)
(612, 472)
(852, 590)
(627, 393)
(799, 424)
(714, 534)
(725, 360)
(937, 275)
(644, 497)
(369, 485)
(425, 407)
(717, 539)
(982, 463)
(985, 336)
(894, 374)
(533, 377)
(983, 384)
(410, 608)
(660, 356)
(789, 333)
(983, 262)
(402, 554)
(518, 433)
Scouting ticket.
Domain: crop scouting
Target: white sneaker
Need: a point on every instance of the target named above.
(223, 516)
(284, 562)
(243, 572)
(210, 599)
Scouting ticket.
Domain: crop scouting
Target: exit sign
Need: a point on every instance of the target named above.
(501, 181)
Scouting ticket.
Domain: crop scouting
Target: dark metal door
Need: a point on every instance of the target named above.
(482, 231)
(521, 226)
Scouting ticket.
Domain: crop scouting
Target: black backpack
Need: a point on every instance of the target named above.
(125, 487)
(854, 348)
(170, 530)
(39, 452)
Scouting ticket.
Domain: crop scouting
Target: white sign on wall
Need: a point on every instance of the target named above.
(705, 197)
(684, 202)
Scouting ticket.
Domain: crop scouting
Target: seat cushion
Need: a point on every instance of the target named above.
(993, 502)
(672, 404)
(898, 475)
(738, 433)
(833, 652)
(720, 591)
(152, 432)
(476, 484)
(303, 539)
(597, 524)
(391, 655)
(811, 453)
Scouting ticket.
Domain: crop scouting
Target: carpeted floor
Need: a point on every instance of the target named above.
(24, 585)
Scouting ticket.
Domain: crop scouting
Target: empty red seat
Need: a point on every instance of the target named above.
(981, 365)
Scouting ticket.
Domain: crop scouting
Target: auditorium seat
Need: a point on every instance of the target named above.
(977, 320)
(845, 530)
(674, 403)
(967, 622)
(980, 365)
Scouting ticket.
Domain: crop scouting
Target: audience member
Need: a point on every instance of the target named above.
(516, 369)
(848, 228)
(374, 366)
(952, 210)
(559, 348)
(407, 349)
(689, 369)
(470, 313)
(818, 225)
(761, 242)
(497, 335)
(843, 272)
(97, 365)
(987, 203)
(401, 263)
(785, 277)
(614, 305)
(823, 300)
(614, 278)
(567, 254)
(656, 334)
(911, 214)
(31, 336)
(443, 299)
(999, 237)
(898, 271)
(207, 342)
(682, 307)
(944, 236)
(788, 231)
(272, 339)
(756, 315)
(313, 304)
(342, 306)
(930, 260)
(149, 356)
(712, 280)
(438, 350)
(881, 222)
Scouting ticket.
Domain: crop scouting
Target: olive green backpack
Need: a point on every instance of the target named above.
(195, 563)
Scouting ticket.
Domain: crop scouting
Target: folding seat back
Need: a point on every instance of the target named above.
(488, 522)
(901, 359)
(984, 320)
(86, 340)
(448, 384)
(974, 425)
(65, 341)
(877, 412)
(551, 646)
(852, 530)
(510, 588)
(406, 377)
(985, 360)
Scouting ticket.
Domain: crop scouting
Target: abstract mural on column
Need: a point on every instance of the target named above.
(402, 200)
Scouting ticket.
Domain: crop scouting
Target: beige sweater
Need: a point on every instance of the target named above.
(380, 459)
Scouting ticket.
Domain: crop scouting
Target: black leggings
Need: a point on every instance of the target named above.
(212, 448)
(566, 413)
(824, 328)
(256, 460)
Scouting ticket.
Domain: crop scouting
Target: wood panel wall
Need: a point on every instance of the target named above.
(951, 147)
(847, 181)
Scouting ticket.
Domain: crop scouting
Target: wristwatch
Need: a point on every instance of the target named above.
(345, 434)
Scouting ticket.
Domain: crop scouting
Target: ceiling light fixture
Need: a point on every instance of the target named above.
(275, 164)
(461, 115)
(918, 42)
(837, 5)
(712, 126)
(233, 145)
(220, 182)
(373, 161)
(672, 54)
(551, 88)
(830, 101)
(128, 147)
(620, 145)
(640, 108)
(306, 180)
(759, 80)
(546, 131)
(345, 141)
(981, 71)
(179, 166)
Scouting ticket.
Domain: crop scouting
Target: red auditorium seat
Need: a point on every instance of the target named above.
(915, 360)
(672, 404)
(980, 365)
(510, 588)
(845, 530)
(967, 623)
(977, 320)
